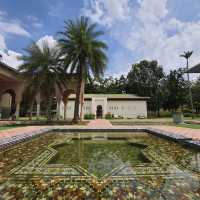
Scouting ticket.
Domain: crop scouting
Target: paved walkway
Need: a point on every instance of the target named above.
(99, 123)
(2, 122)
(20, 130)
(187, 132)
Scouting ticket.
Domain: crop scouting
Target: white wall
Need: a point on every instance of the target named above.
(87, 108)
(126, 109)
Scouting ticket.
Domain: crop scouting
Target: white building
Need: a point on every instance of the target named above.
(119, 105)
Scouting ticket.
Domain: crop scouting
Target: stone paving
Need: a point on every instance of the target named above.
(3, 122)
(19, 130)
(194, 134)
(99, 123)
(14, 135)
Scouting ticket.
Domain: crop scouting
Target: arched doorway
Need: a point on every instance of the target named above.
(8, 104)
(99, 111)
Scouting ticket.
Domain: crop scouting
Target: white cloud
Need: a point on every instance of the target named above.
(13, 27)
(35, 21)
(37, 24)
(11, 59)
(2, 42)
(106, 12)
(10, 27)
(49, 39)
(157, 36)
(151, 31)
(152, 11)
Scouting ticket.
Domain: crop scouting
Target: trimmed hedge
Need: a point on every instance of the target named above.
(89, 116)
(108, 116)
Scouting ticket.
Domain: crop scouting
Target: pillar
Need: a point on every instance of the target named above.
(58, 109)
(0, 106)
(38, 110)
(38, 101)
(18, 91)
(17, 108)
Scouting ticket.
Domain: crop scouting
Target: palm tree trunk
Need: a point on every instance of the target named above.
(49, 104)
(78, 95)
(190, 92)
(82, 98)
(65, 107)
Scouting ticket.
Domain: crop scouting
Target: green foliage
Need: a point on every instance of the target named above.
(196, 95)
(107, 85)
(108, 116)
(187, 54)
(89, 116)
(165, 114)
(174, 89)
(42, 72)
(144, 79)
(82, 53)
(169, 92)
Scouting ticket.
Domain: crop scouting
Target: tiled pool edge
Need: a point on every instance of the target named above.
(7, 142)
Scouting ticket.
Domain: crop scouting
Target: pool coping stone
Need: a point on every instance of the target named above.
(7, 142)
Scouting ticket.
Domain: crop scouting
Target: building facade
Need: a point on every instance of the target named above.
(12, 88)
(119, 105)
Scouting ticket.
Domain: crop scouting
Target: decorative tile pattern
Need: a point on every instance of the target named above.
(172, 174)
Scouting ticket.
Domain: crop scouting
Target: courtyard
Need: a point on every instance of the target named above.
(100, 161)
(98, 102)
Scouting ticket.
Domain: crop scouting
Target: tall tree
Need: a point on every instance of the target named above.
(196, 95)
(42, 72)
(144, 80)
(82, 53)
(107, 85)
(174, 90)
(187, 55)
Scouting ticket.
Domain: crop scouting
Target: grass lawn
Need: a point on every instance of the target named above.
(41, 118)
(194, 126)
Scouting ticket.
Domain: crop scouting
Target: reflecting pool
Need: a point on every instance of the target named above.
(99, 166)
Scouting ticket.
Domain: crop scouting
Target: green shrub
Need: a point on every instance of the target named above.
(165, 114)
(187, 114)
(89, 116)
(108, 116)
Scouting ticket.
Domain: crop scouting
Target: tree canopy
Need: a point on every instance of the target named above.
(82, 53)
(42, 72)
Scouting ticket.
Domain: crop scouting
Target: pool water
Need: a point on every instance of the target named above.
(99, 157)
(100, 166)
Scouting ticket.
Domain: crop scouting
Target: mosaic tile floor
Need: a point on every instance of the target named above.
(29, 171)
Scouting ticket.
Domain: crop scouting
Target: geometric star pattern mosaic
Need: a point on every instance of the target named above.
(172, 172)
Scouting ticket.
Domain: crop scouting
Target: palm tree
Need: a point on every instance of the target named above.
(187, 55)
(42, 72)
(82, 54)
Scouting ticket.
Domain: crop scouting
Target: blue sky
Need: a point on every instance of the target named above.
(135, 29)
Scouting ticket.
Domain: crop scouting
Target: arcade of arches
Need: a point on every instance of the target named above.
(12, 87)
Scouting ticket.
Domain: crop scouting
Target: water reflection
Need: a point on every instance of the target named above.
(126, 166)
